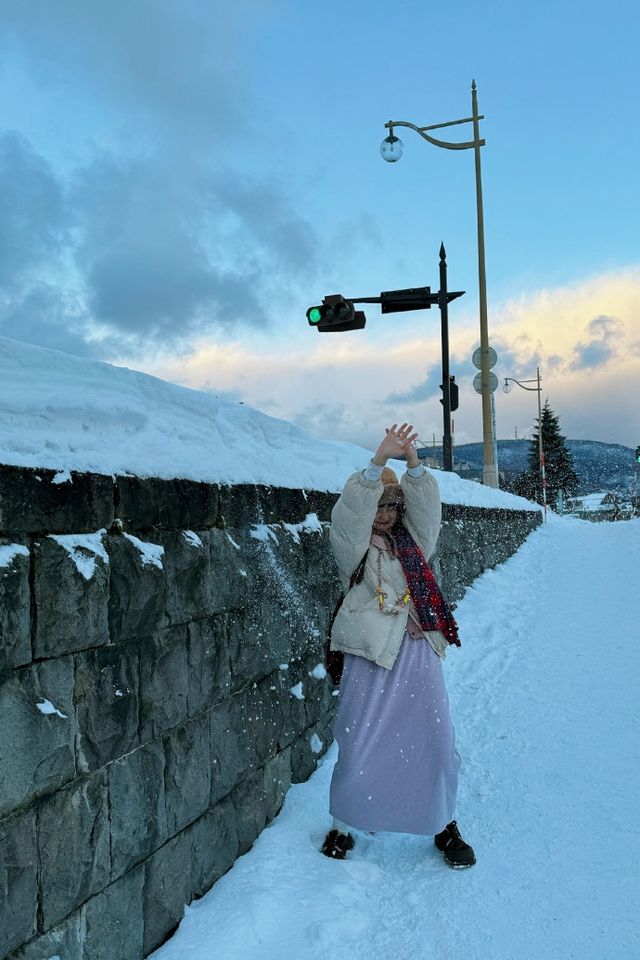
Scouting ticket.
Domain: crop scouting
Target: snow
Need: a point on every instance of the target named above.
(316, 743)
(47, 708)
(78, 545)
(318, 672)
(151, 554)
(310, 524)
(64, 476)
(263, 532)
(192, 538)
(9, 551)
(297, 691)
(544, 695)
(591, 501)
(67, 413)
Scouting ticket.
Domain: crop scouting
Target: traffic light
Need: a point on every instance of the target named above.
(453, 394)
(335, 315)
(637, 454)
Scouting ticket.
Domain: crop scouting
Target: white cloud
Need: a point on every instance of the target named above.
(339, 385)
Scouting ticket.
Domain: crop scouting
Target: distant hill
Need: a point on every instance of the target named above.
(600, 466)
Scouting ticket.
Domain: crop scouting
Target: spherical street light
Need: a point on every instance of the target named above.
(391, 148)
(507, 387)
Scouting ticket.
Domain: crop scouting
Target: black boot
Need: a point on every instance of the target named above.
(457, 853)
(336, 845)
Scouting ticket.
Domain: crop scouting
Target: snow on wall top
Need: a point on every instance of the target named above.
(66, 413)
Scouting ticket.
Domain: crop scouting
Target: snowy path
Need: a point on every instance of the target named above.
(544, 696)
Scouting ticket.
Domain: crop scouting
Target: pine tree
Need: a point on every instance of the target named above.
(561, 475)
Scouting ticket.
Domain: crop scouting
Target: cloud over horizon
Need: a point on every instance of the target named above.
(346, 387)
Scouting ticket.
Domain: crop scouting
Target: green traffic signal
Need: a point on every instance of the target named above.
(335, 314)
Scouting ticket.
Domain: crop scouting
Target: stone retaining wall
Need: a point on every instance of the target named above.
(158, 690)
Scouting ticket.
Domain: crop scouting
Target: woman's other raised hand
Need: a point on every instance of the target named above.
(397, 444)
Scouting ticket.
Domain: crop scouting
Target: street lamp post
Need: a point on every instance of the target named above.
(391, 150)
(538, 388)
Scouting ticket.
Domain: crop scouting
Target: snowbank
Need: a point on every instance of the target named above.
(67, 413)
(545, 709)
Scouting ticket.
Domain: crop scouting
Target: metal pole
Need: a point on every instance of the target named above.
(490, 470)
(494, 441)
(447, 449)
(543, 476)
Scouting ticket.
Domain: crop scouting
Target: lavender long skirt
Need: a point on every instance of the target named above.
(397, 767)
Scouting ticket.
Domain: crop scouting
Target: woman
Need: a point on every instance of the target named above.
(397, 768)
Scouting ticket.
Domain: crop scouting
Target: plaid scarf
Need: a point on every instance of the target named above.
(433, 610)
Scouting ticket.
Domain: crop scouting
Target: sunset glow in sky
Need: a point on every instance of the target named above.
(179, 182)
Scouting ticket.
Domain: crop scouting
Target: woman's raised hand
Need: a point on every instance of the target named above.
(397, 443)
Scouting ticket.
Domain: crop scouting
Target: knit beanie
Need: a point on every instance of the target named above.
(392, 493)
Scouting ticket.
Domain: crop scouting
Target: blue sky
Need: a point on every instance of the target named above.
(178, 182)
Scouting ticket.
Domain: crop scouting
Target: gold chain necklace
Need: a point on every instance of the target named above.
(400, 603)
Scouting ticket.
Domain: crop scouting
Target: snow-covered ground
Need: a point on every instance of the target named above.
(68, 413)
(544, 696)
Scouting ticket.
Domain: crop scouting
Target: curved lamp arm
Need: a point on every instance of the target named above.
(437, 143)
(521, 383)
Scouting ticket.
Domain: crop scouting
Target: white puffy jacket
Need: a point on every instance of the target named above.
(360, 627)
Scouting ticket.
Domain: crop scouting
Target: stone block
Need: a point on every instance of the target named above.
(71, 605)
(276, 781)
(230, 753)
(230, 589)
(259, 639)
(304, 749)
(260, 714)
(30, 503)
(493, 554)
(73, 845)
(137, 591)
(251, 807)
(321, 503)
(168, 889)
(214, 846)
(18, 881)
(113, 922)
(143, 504)
(187, 778)
(320, 566)
(187, 563)
(38, 724)
(208, 661)
(15, 607)
(137, 806)
(303, 759)
(240, 505)
(282, 566)
(164, 680)
(285, 505)
(453, 573)
(107, 702)
(293, 711)
(319, 701)
(65, 941)
(308, 629)
(454, 537)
